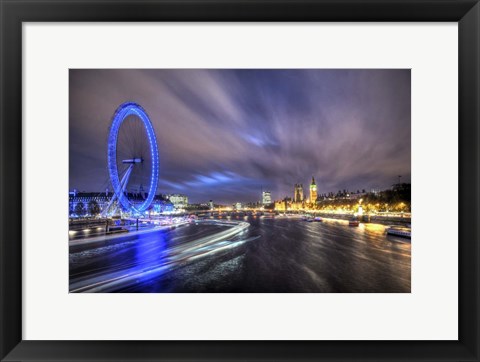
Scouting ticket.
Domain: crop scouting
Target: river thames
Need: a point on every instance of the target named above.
(247, 254)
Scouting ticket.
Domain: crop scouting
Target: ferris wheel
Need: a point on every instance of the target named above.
(133, 162)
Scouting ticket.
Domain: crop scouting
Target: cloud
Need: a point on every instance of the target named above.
(226, 134)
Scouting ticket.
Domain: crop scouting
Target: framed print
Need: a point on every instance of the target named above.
(239, 181)
(232, 212)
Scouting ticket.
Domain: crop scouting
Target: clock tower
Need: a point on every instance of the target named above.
(313, 191)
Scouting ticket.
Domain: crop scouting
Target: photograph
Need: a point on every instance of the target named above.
(239, 181)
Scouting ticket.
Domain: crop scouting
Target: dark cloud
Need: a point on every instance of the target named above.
(225, 134)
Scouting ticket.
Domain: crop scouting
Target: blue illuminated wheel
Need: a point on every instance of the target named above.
(133, 162)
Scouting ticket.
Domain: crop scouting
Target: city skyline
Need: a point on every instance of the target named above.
(226, 135)
(261, 199)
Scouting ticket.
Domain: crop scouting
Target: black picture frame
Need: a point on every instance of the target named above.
(14, 12)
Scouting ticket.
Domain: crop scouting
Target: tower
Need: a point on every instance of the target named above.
(266, 198)
(313, 191)
(298, 193)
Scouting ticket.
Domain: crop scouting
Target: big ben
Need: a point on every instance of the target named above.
(313, 191)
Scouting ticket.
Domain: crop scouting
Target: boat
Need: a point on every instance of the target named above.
(353, 222)
(402, 231)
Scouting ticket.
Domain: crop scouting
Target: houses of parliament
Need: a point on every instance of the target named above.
(298, 195)
(299, 200)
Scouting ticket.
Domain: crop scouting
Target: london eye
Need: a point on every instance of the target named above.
(133, 162)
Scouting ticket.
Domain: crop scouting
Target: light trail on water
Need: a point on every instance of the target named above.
(260, 255)
(129, 273)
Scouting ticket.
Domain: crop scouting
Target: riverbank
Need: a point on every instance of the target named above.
(376, 219)
(94, 240)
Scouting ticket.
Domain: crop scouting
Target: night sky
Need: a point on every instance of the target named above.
(226, 134)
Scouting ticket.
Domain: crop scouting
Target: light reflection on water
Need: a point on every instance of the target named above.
(272, 255)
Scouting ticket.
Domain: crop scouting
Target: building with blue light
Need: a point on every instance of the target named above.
(159, 203)
(179, 201)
